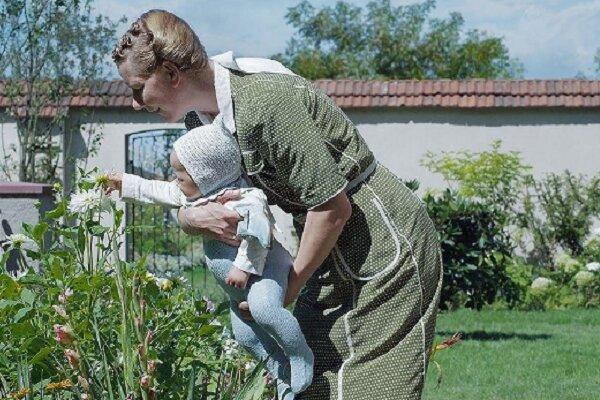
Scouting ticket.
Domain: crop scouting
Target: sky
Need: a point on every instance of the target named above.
(552, 38)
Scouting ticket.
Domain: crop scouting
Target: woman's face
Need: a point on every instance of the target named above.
(156, 93)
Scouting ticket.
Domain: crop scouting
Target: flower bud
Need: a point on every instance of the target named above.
(149, 336)
(145, 382)
(72, 357)
(83, 383)
(63, 297)
(151, 367)
(60, 310)
(142, 350)
(64, 334)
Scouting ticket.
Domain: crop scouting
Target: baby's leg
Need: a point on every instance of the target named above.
(265, 299)
(261, 345)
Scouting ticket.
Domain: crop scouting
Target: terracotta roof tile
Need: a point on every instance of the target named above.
(470, 93)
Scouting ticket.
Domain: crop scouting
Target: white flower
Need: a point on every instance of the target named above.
(19, 240)
(89, 200)
(584, 278)
(250, 365)
(541, 283)
(150, 276)
(567, 264)
(593, 266)
(164, 284)
(230, 347)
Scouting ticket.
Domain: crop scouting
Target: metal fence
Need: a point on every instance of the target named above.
(153, 231)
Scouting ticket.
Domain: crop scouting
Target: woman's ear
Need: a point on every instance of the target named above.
(173, 72)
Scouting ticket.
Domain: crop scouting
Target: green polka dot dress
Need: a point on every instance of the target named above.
(368, 313)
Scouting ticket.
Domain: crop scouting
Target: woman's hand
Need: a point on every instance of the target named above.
(212, 219)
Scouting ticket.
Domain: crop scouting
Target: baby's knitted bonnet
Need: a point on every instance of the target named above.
(210, 154)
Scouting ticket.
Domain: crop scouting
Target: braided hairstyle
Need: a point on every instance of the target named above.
(157, 36)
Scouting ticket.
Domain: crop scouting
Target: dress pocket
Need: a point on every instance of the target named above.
(369, 245)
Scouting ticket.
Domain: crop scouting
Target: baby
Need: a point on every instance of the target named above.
(207, 162)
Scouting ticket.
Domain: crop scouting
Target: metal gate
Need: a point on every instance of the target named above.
(153, 231)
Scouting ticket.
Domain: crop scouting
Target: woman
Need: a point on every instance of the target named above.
(368, 258)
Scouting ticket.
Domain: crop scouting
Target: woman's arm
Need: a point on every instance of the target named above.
(323, 226)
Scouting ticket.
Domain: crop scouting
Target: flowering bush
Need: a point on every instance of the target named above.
(91, 326)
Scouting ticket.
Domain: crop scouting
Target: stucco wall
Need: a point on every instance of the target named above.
(549, 140)
(8, 139)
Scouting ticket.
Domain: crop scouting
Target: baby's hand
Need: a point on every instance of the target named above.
(115, 181)
(238, 278)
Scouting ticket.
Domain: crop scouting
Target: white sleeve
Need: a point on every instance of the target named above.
(137, 189)
(251, 256)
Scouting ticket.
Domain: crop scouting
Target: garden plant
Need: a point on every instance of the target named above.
(79, 322)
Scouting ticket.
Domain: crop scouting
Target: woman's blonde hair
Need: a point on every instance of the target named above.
(157, 36)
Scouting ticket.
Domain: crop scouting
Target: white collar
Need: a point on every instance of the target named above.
(224, 102)
(222, 63)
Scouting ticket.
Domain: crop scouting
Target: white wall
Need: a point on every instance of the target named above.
(549, 140)
(8, 137)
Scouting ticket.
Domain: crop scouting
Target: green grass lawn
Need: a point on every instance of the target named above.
(519, 355)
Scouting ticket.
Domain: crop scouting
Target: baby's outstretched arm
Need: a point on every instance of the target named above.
(136, 189)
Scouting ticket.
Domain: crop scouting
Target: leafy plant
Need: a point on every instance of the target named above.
(558, 211)
(475, 250)
(90, 325)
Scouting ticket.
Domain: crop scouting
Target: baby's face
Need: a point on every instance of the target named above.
(184, 180)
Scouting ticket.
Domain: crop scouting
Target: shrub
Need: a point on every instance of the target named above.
(558, 211)
(492, 177)
(475, 250)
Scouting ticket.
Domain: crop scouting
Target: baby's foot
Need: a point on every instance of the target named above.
(301, 371)
(238, 278)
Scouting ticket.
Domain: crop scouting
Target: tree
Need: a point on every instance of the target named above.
(597, 61)
(381, 41)
(50, 50)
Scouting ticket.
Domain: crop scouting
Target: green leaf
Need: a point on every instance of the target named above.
(190, 391)
(7, 303)
(22, 330)
(58, 212)
(39, 230)
(21, 313)
(5, 256)
(27, 296)
(207, 330)
(118, 217)
(40, 355)
(98, 230)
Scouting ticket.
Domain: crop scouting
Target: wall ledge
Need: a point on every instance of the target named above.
(9, 189)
